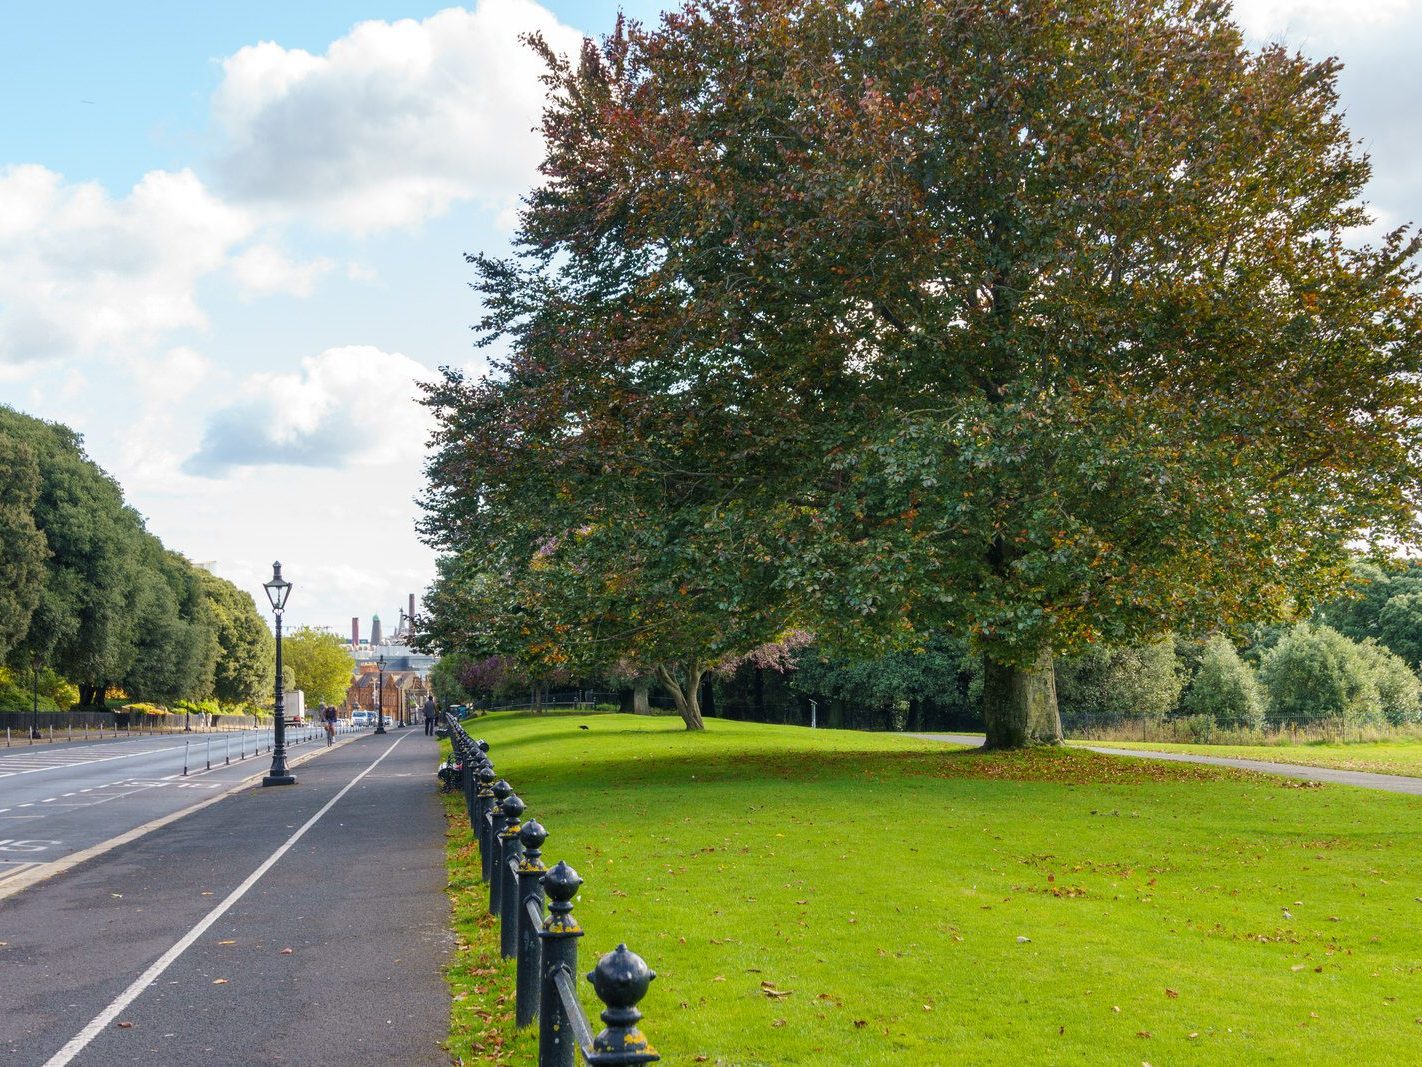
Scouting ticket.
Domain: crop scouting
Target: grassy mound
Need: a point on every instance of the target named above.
(832, 897)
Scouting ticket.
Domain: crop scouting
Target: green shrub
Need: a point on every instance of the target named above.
(1398, 687)
(145, 709)
(1142, 681)
(1225, 689)
(1314, 672)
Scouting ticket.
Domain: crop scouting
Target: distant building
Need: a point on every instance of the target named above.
(406, 670)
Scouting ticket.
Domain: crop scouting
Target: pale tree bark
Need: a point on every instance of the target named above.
(636, 698)
(1020, 704)
(683, 680)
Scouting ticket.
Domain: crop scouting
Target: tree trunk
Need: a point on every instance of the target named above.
(683, 681)
(759, 715)
(636, 698)
(1020, 705)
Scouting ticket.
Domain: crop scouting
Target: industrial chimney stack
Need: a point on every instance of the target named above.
(355, 631)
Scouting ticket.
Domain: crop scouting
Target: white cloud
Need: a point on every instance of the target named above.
(394, 122)
(82, 272)
(264, 269)
(350, 405)
(1295, 20)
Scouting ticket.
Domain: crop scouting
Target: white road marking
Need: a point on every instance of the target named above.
(101, 1021)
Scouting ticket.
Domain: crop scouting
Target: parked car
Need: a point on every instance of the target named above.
(363, 718)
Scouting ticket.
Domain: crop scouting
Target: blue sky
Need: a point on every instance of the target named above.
(231, 240)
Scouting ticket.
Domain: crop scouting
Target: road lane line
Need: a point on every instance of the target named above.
(44, 871)
(101, 1021)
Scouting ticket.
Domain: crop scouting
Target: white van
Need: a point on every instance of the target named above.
(362, 718)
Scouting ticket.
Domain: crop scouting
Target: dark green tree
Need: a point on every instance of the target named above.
(243, 670)
(83, 626)
(22, 547)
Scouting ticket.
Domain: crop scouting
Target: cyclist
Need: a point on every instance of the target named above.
(328, 713)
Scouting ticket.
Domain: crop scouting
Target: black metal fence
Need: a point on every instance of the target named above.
(545, 947)
(19, 727)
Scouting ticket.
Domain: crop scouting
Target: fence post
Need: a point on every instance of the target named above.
(559, 936)
(621, 979)
(502, 791)
(483, 801)
(510, 852)
(530, 891)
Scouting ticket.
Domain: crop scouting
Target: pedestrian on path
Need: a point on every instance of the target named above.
(429, 716)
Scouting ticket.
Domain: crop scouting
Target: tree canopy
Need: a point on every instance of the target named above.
(320, 664)
(1035, 324)
(85, 589)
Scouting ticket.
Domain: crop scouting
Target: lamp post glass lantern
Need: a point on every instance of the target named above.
(380, 695)
(277, 592)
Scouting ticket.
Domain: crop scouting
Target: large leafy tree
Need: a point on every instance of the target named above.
(174, 644)
(22, 546)
(1032, 322)
(83, 626)
(320, 664)
(243, 671)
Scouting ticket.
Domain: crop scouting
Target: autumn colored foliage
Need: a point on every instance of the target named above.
(1035, 323)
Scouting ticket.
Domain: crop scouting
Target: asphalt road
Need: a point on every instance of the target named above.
(1390, 783)
(297, 924)
(57, 800)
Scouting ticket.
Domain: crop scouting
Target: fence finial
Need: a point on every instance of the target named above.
(512, 807)
(532, 836)
(561, 883)
(621, 979)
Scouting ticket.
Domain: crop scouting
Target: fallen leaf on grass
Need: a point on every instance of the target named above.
(1171, 993)
(219, 981)
(1143, 1033)
(859, 1024)
(768, 988)
(777, 1023)
(1024, 940)
(1193, 1034)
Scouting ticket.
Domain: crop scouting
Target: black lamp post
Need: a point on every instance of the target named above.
(380, 695)
(34, 711)
(277, 592)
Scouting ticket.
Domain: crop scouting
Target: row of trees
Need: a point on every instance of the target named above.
(1025, 326)
(89, 595)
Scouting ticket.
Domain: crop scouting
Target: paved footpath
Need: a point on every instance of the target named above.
(303, 924)
(1391, 783)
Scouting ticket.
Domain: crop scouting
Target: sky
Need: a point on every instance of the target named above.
(232, 244)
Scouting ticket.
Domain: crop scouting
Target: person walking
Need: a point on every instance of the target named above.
(429, 716)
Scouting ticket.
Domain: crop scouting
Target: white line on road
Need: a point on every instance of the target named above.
(81, 1040)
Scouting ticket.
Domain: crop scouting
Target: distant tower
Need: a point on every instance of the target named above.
(412, 613)
(375, 634)
(355, 631)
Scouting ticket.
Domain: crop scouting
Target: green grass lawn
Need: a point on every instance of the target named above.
(1176, 913)
(1380, 757)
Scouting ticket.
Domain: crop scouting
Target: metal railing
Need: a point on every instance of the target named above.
(60, 726)
(546, 946)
